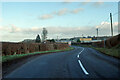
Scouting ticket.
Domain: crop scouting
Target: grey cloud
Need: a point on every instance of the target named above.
(62, 32)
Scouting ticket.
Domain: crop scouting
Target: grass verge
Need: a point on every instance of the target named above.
(12, 57)
(111, 52)
(114, 52)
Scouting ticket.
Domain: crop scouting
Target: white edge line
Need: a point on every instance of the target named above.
(83, 68)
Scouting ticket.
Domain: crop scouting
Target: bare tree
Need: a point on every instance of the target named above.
(44, 34)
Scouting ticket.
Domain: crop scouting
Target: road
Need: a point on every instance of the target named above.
(78, 63)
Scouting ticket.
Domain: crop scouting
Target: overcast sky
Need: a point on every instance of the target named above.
(24, 20)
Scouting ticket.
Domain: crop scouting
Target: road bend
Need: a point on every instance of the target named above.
(78, 63)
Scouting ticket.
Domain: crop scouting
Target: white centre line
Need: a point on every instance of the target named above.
(84, 70)
(80, 53)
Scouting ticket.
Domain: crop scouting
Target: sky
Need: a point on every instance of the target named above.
(24, 20)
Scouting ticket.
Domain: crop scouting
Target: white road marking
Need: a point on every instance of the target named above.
(84, 70)
(80, 53)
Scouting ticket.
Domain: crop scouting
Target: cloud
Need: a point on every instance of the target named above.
(77, 10)
(66, 1)
(85, 2)
(32, 30)
(15, 33)
(92, 3)
(62, 12)
(4, 28)
(115, 24)
(105, 28)
(35, 28)
(98, 4)
(51, 15)
(14, 29)
(69, 1)
(46, 16)
(106, 24)
(66, 11)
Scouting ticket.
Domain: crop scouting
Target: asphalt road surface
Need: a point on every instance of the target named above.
(78, 63)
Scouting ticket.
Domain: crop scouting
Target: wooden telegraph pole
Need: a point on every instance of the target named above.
(57, 38)
(111, 24)
(97, 32)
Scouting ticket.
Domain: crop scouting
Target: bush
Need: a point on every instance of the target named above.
(24, 48)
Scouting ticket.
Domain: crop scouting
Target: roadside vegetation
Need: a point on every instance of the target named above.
(16, 56)
(114, 51)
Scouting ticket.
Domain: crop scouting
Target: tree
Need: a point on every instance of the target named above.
(88, 36)
(38, 40)
(52, 40)
(78, 40)
(44, 34)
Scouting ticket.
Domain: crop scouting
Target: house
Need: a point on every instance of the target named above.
(64, 40)
(85, 40)
(74, 39)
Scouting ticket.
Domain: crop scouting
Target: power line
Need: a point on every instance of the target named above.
(104, 22)
(108, 19)
(115, 13)
(90, 22)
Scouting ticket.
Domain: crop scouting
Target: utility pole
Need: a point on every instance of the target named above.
(104, 42)
(57, 38)
(82, 39)
(111, 24)
(97, 32)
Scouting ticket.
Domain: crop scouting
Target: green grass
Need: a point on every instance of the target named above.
(12, 57)
(111, 52)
